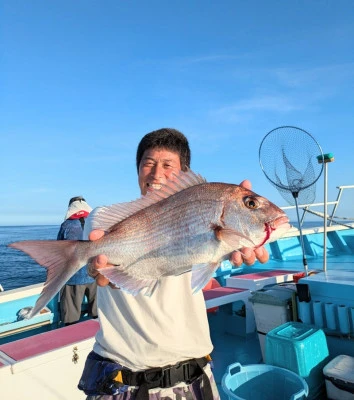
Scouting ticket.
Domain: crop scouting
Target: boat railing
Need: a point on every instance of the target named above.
(331, 218)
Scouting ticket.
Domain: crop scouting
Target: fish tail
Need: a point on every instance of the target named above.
(61, 258)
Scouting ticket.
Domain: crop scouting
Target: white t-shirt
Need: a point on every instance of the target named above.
(142, 332)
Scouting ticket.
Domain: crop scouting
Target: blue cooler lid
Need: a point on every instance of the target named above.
(294, 331)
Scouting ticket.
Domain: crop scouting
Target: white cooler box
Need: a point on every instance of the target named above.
(272, 307)
(339, 378)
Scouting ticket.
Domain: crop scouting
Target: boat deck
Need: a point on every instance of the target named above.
(230, 314)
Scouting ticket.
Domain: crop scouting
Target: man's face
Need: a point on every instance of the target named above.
(156, 166)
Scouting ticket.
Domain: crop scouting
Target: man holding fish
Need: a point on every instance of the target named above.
(157, 345)
(151, 257)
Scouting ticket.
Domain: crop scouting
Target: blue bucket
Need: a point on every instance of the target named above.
(263, 382)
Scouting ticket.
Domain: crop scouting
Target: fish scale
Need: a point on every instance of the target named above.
(171, 233)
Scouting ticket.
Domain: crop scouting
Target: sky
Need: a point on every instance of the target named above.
(81, 82)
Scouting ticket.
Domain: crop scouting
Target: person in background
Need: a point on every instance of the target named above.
(80, 284)
(153, 347)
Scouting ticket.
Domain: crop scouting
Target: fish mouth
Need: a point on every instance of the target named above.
(275, 224)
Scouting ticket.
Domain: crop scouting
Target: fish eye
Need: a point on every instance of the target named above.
(251, 203)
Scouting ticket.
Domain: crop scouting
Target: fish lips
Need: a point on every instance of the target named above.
(280, 224)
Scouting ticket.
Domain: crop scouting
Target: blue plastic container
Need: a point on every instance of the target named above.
(296, 346)
(300, 348)
(263, 382)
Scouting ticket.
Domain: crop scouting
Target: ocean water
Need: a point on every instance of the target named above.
(16, 268)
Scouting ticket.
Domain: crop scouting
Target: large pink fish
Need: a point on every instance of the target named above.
(187, 225)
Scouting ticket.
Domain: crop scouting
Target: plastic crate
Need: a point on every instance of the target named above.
(300, 348)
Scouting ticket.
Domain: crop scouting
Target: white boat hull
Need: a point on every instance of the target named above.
(47, 366)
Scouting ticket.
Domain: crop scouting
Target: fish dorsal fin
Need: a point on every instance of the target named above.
(107, 216)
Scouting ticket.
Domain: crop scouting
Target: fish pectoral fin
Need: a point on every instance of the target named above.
(201, 275)
(233, 238)
(129, 283)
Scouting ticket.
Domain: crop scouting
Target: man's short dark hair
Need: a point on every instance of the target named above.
(168, 139)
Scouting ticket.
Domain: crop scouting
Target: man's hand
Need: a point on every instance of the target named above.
(99, 262)
(247, 255)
